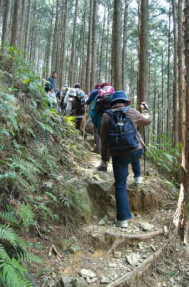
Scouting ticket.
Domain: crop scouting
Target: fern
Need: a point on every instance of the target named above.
(26, 215)
(8, 234)
(12, 273)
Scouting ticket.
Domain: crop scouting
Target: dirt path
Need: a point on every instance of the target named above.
(101, 254)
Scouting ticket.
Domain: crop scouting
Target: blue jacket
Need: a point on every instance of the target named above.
(52, 82)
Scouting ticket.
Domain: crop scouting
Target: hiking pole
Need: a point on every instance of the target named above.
(145, 106)
(144, 152)
(84, 123)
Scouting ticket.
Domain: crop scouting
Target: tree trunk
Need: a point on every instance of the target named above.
(93, 56)
(143, 53)
(124, 48)
(180, 50)
(89, 50)
(175, 130)
(16, 24)
(116, 45)
(5, 29)
(63, 39)
(181, 218)
(72, 57)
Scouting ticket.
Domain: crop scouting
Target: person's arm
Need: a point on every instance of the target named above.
(104, 137)
(140, 119)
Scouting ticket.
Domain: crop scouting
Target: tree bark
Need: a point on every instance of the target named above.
(72, 56)
(116, 45)
(93, 56)
(124, 48)
(89, 50)
(16, 24)
(5, 29)
(143, 53)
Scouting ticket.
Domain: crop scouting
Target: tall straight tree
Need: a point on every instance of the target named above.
(6, 17)
(181, 218)
(93, 49)
(186, 130)
(116, 45)
(143, 52)
(16, 23)
(89, 50)
(124, 48)
(72, 67)
(180, 51)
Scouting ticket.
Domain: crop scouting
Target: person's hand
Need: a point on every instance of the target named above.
(144, 106)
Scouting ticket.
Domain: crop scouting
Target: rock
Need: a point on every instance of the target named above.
(104, 280)
(74, 249)
(103, 221)
(146, 226)
(133, 259)
(73, 282)
(117, 254)
(87, 273)
(112, 265)
(153, 248)
(67, 281)
(91, 280)
(79, 282)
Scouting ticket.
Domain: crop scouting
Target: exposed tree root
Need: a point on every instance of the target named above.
(132, 277)
(121, 238)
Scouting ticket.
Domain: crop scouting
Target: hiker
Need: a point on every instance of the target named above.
(51, 89)
(81, 96)
(51, 83)
(60, 96)
(121, 140)
(99, 100)
(74, 103)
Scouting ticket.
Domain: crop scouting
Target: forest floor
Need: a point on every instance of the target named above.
(101, 254)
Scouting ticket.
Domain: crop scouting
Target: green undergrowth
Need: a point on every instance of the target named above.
(166, 157)
(39, 153)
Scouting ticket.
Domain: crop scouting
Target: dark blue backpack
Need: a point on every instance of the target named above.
(122, 134)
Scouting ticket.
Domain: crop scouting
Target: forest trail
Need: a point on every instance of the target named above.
(101, 254)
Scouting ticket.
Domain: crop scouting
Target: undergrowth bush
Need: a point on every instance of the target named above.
(38, 152)
(166, 157)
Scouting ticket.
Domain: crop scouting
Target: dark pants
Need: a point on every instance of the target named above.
(120, 169)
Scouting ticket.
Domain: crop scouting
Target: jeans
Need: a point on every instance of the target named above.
(136, 167)
(120, 168)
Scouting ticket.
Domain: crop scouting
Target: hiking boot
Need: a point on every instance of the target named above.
(102, 167)
(138, 180)
(122, 223)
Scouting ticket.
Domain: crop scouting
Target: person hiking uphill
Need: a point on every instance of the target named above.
(99, 101)
(122, 141)
(51, 89)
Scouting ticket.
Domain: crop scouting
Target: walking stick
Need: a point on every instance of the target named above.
(84, 123)
(144, 152)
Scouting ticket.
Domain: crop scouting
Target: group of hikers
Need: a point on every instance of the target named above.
(116, 133)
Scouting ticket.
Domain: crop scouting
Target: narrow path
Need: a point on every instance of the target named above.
(104, 253)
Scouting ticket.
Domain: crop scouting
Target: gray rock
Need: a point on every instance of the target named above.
(79, 282)
(91, 280)
(133, 259)
(73, 282)
(87, 273)
(104, 280)
(146, 226)
(112, 265)
(74, 249)
(117, 254)
(67, 281)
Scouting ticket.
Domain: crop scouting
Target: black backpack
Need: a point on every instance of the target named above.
(122, 133)
(47, 86)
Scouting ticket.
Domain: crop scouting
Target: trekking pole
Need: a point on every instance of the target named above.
(84, 123)
(144, 152)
